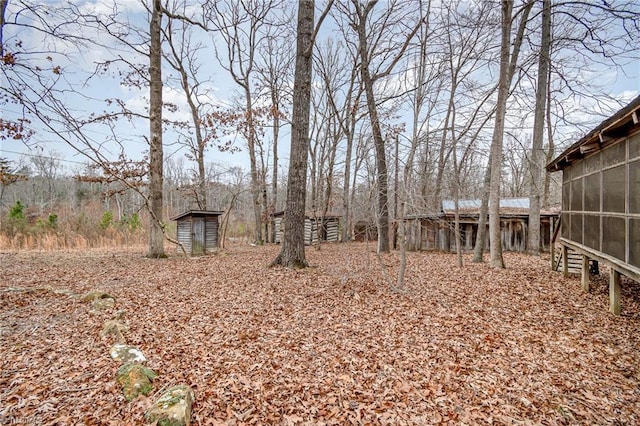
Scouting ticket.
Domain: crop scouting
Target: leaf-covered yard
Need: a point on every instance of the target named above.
(327, 345)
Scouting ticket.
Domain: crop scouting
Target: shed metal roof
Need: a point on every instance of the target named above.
(311, 215)
(471, 208)
(505, 203)
(199, 213)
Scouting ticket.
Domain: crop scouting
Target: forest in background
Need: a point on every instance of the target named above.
(50, 206)
(403, 104)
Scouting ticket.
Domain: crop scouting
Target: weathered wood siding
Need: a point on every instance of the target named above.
(184, 234)
(330, 232)
(310, 235)
(438, 234)
(277, 223)
(198, 233)
(211, 234)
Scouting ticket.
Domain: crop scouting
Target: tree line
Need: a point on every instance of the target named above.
(389, 107)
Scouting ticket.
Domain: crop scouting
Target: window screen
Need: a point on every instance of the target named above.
(613, 194)
(634, 242)
(576, 195)
(566, 191)
(614, 154)
(634, 187)
(634, 146)
(592, 231)
(592, 164)
(565, 225)
(566, 175)
(576, 228)
(577, 169)
(592, 193)
(613, 236)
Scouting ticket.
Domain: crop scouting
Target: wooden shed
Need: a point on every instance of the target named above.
(600, 217)
(197, 230)
(436, 231)
(365, 230)
(328, 227)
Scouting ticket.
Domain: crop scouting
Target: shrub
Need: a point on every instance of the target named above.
(52, 221)
(17, 211)
(106, 220)
(134, 222)
(17, 219)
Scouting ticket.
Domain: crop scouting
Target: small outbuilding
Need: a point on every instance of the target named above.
(197, 231)
(437, 231)
(600, 217)
(327, 228)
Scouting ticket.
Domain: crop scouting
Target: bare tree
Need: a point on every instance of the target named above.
(339, 74)
(9, 175)
(182, 54)
(536, 166)
(292, 254)
(378, 58)
(47, 95)
(275, 69)
(508, 62)
(156, 232)
(243, 27)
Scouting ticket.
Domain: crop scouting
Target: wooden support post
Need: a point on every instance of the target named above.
(552, 244)
(614, 292)
(565, 261)
(585, 273)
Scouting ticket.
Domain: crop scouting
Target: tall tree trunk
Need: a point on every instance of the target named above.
(200, 145)
(456, 200)
(551, 147)
(378, 142)
(443, 159)
(497, 140)
(396, 189)
(3, 9)
(156, 231)
(481, 236)
(508, 62)
(274, 178)
(293, 253)
(537, 169)
(253, 165)
(346, 198)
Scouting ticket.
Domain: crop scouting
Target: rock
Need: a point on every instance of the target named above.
(135, 379)
(96, 294)
(126, 353)
(116, 328)
(173, 408)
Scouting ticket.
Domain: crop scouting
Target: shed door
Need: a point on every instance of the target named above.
(197, 236)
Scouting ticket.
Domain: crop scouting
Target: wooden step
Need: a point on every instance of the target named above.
(574, 261)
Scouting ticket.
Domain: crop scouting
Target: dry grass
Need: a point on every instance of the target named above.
(52, 241)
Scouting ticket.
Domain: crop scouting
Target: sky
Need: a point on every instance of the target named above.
(221, 92)
(78, 66)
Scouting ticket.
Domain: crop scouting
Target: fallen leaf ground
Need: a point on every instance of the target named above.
(328, 345)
